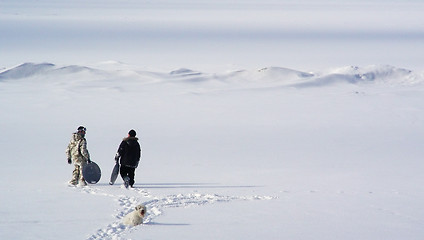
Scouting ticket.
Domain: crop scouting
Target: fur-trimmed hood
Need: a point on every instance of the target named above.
(130, 138)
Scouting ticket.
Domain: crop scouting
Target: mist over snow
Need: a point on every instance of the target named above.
(258, 119)
(214, 35)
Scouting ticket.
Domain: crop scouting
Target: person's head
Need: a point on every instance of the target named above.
(132, 133)
(81, 130)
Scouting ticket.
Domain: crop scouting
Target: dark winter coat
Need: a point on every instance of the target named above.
(129, 152)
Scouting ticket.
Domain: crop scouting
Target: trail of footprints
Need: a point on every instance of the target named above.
(155, 206)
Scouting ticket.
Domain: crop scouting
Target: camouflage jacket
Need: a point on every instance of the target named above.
(77, 149)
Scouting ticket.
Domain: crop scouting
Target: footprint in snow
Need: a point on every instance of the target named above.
(155, 206)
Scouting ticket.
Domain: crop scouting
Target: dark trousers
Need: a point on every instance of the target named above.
(128, 172)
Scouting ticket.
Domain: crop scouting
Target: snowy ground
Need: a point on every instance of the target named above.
(279, 120)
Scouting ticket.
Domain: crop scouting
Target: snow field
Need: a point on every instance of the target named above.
(331, 152)
(269, 119)
(155, 205)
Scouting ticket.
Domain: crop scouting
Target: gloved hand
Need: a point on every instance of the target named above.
(69, 161)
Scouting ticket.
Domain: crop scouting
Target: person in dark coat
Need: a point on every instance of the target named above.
(128, 155)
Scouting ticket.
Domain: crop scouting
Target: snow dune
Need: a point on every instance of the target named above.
(268, 76)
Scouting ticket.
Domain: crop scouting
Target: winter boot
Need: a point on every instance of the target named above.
(82, 182)
(127, 182)
(73, 182)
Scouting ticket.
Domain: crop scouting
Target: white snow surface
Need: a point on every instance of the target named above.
(265, 119)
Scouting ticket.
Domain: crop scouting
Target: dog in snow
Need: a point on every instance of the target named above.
(135, 217)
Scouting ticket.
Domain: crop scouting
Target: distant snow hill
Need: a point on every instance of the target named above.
(260, 78)
(32, 69)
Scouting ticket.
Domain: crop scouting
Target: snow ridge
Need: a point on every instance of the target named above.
(29, 70)
(26, 70)
(241, 79)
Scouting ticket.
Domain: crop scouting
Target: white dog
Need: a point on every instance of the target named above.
(135, 217)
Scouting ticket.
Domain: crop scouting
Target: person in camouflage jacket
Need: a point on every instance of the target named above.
(77, 154)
